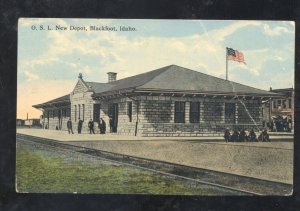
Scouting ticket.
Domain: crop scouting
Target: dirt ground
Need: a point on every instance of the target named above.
(265, 160)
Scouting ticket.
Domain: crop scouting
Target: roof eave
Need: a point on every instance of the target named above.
(112, 92)
(271, 95)
(183, 92)
(55, 104)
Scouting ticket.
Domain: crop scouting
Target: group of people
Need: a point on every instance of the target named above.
(101, 126)
(280, 124)
(243, 136)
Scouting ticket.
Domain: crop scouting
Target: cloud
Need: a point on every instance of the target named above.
(42, 60)
(95, 54)
(275, 31)
(139, 54)
(30, 76)
(221, 34)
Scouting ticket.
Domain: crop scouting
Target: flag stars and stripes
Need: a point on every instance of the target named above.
(235, 55)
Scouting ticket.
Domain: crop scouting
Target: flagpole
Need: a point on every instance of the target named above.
(226, 64)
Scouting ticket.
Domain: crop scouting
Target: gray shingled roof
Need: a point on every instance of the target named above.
(176, 78)
(179, 78)
(137, 80)
(171, 78)
(63, 99)
(99, 87)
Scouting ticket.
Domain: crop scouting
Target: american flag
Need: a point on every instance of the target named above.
(235, 55)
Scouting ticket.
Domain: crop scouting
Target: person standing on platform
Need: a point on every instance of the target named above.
(111, 124)
(91, 126)
(79, 126)
(99, 125)
(102, 126)
(69, 126)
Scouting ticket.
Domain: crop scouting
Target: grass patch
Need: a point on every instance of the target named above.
(43, 171)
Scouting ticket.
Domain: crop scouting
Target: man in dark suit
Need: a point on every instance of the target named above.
(79, 126)
(91, 126)
(102, 126)
(111, 124)
(69, 126)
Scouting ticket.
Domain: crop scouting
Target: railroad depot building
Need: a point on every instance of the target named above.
(170, 101)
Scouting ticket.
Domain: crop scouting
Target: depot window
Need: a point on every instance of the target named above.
(230, 113)
(194, 112)
(179, 112)
(96, 115)
(129, 111)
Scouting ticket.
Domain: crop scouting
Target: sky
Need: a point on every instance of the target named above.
(49, 61)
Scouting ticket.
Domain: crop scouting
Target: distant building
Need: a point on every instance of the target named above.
(32, 122)
(169, 101)
(20, 122)
(281, 108)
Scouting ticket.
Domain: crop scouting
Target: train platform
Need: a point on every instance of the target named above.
(265, 160)
(64, 136)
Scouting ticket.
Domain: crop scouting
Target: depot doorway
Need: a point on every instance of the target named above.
(114, 113)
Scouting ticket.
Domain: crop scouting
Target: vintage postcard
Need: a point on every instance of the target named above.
(172, 107)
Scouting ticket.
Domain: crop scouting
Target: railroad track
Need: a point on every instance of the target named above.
(235, 184)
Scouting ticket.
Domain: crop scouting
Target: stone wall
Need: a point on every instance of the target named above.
(81, 101)
(157, 116)
(80, 87)
(181, 129)
(158, 111)
(213, 111)
(249, 112)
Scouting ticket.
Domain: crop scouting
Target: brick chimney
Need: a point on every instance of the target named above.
(111, 77)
